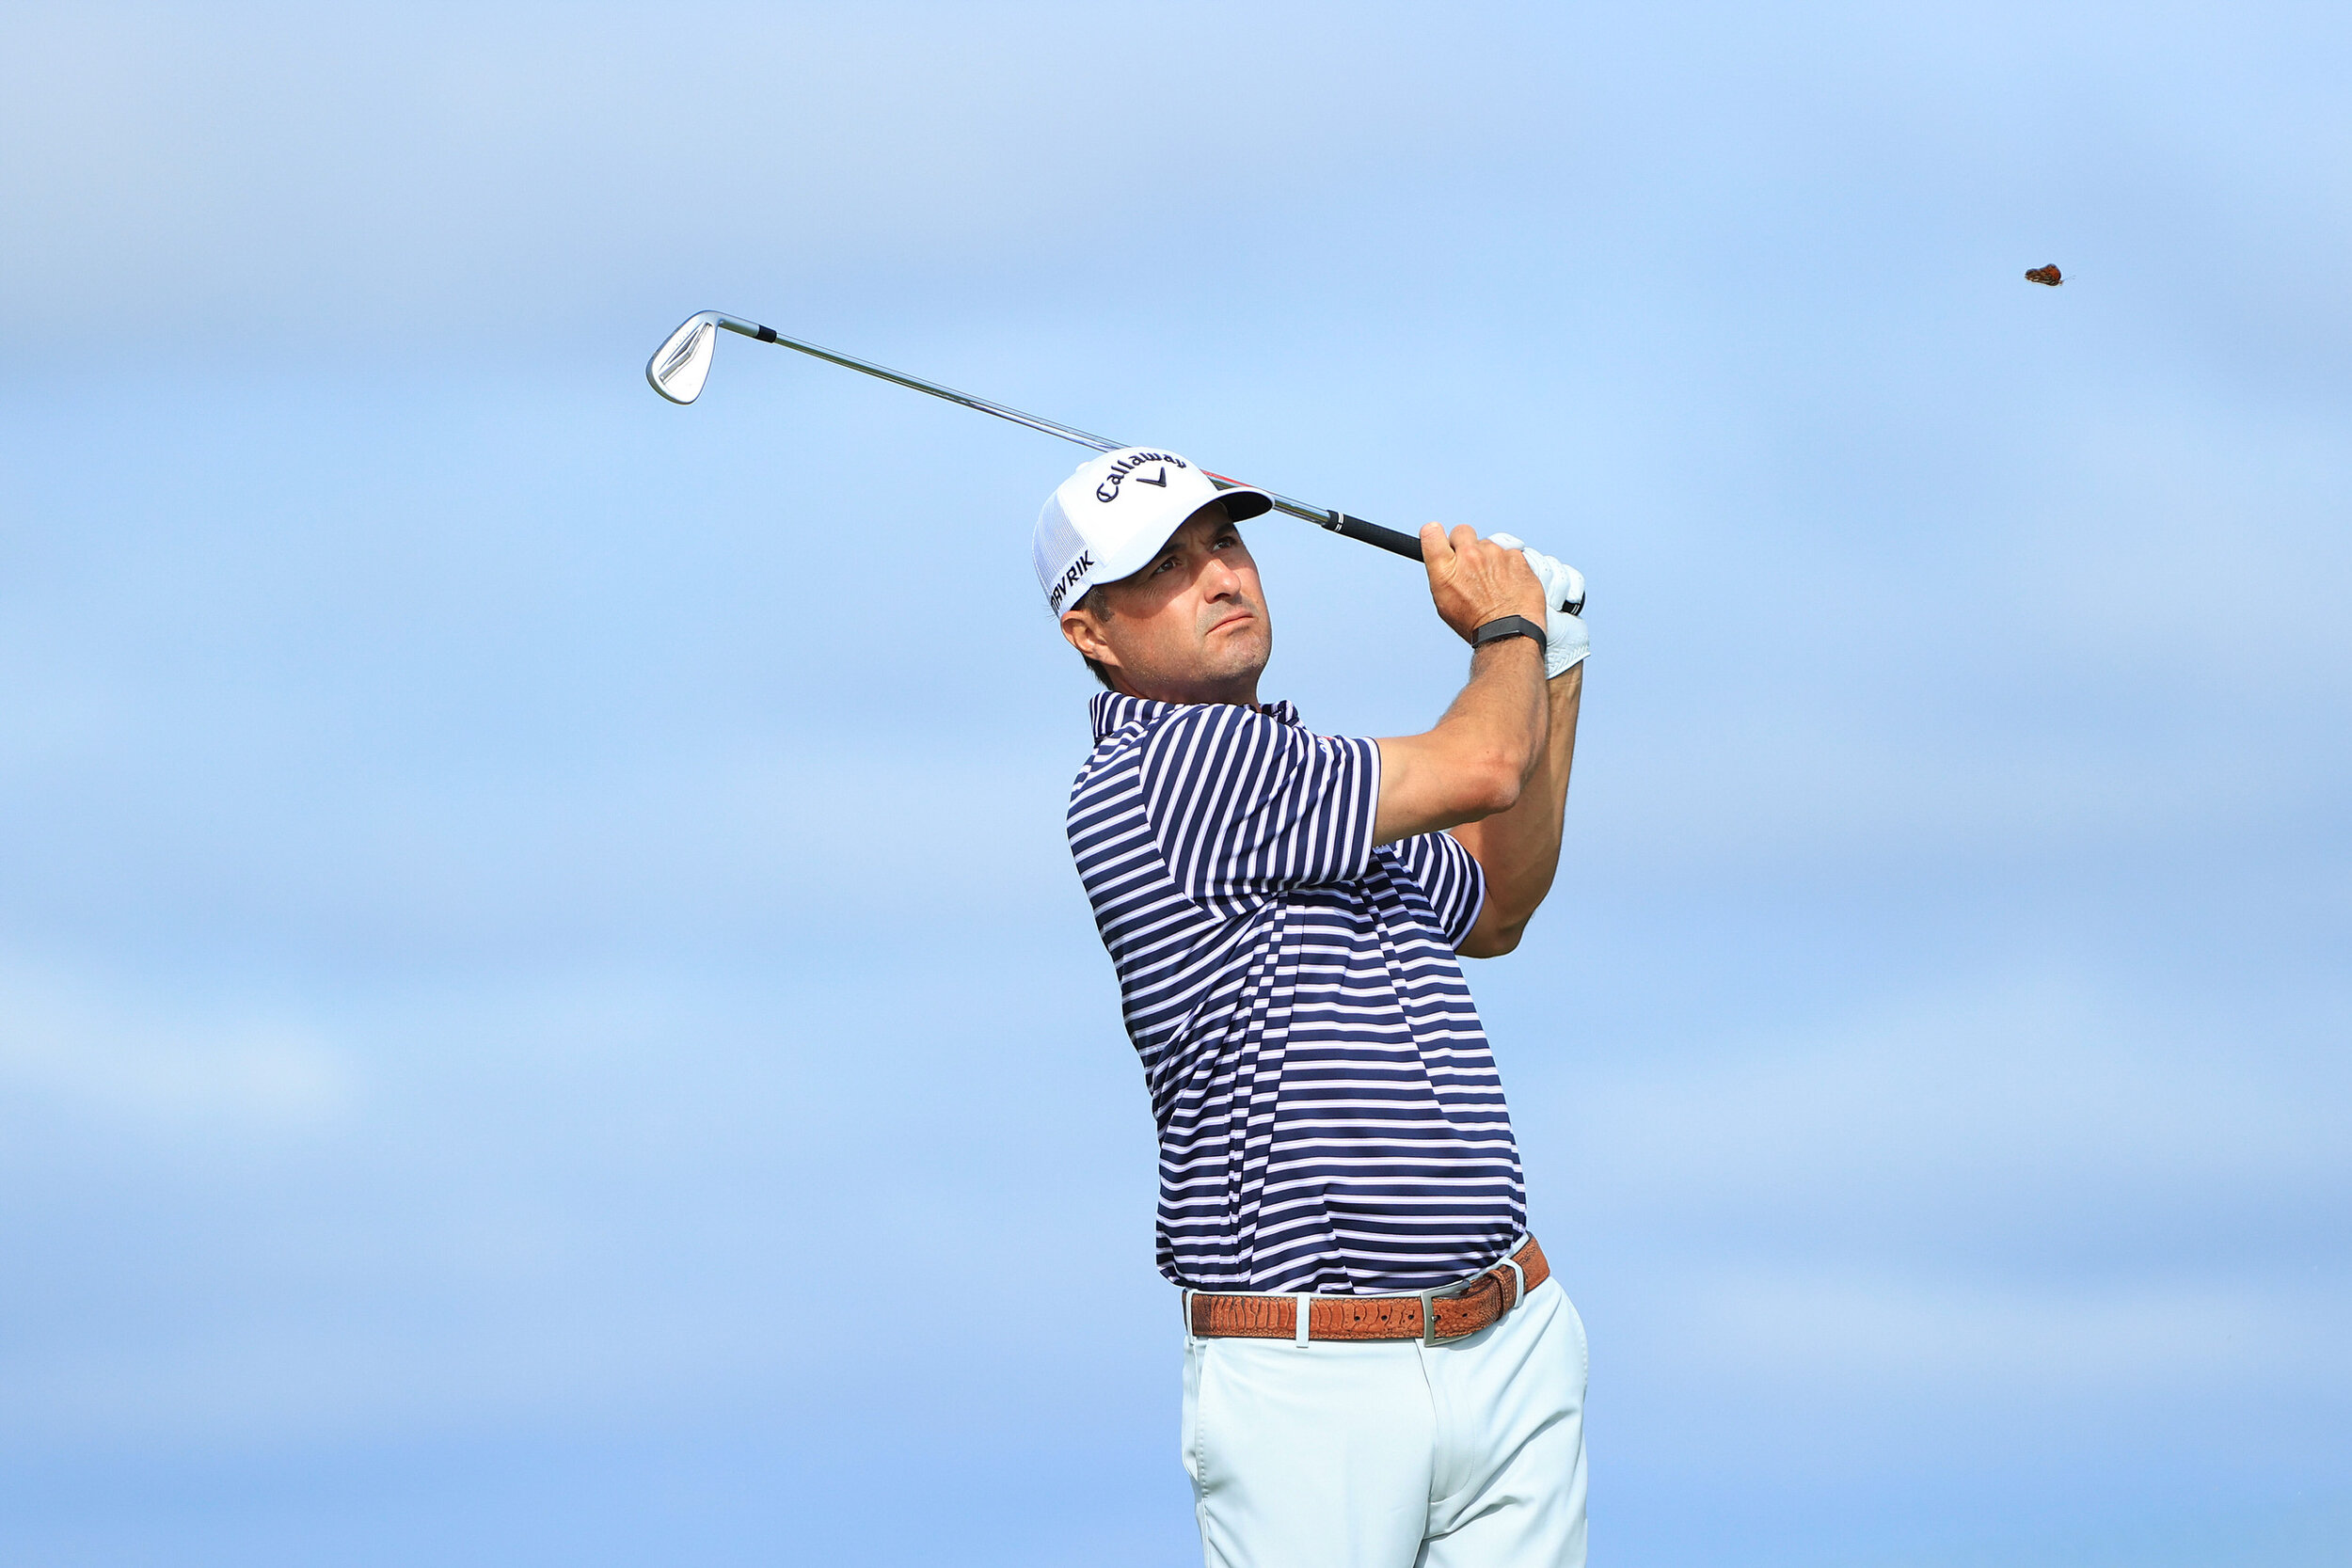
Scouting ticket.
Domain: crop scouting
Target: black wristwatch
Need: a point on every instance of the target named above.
(1511, 626)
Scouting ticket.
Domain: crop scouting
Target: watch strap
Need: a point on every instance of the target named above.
(1511, 626)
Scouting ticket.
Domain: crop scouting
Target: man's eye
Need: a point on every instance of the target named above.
(1164, 565)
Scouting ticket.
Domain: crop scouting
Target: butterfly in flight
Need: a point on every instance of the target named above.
(2044, 274)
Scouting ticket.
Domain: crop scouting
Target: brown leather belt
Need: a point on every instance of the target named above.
(1453, 1312)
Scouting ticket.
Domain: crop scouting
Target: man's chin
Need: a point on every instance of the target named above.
(1243, 653)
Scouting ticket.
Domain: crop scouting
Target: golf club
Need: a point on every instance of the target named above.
(680, 365)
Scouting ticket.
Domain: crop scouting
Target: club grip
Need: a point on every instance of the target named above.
(1400, 544)
(1372, 534)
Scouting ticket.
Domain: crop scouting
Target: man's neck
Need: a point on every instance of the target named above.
(1239, 693)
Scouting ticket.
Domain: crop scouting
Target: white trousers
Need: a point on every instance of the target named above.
(1388, 1453)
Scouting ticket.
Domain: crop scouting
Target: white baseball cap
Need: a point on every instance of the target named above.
(1108, 521)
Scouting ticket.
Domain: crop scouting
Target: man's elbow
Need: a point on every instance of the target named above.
(1488, 786)
(1493, 943)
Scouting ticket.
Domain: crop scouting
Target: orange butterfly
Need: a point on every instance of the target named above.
(2044, 274)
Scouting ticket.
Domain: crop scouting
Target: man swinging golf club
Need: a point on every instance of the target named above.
(1377, 1372)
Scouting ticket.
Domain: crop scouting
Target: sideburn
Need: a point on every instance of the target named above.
(1097, 604)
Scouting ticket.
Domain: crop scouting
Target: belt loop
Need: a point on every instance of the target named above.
(1521, 1274)
(1303, 1317)
(1186, 1293)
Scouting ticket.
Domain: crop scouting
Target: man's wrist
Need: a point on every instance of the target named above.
(1508, 626)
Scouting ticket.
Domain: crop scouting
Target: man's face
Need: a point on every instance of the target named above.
(1189, 627)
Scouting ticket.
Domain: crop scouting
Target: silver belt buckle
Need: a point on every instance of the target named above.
(1429, 1299)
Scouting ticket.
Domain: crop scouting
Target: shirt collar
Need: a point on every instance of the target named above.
(1114, 711)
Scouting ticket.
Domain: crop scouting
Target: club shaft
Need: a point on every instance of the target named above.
(1336, 522)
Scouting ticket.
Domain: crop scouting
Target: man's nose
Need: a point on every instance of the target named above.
(1218, 578)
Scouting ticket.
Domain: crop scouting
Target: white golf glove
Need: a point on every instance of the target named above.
(1566, 642)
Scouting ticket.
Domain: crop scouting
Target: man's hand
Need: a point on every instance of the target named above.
(1568, 644)
(1495, 770)
(1474, 580)
(1474, 761)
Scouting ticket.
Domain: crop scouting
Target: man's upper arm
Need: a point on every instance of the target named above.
(1429, 783)
(1492, 931)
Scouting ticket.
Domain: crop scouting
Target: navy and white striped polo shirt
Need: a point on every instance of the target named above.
(1330, 1119)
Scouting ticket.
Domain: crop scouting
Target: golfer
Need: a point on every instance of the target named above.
(1378, 1371)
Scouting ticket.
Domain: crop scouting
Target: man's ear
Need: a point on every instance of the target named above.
(1085, 636)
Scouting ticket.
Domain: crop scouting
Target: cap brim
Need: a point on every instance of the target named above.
(1240, 501)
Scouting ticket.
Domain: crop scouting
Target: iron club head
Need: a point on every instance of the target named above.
(680, 365)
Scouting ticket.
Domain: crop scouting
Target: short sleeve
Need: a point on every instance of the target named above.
(1450, 877)
(1244, 804)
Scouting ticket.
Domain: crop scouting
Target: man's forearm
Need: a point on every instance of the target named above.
(1477, 760)
(1518, 849)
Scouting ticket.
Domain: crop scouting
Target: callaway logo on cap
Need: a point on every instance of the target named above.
(1108, 521)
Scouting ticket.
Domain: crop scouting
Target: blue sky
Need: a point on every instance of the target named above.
(535, 945)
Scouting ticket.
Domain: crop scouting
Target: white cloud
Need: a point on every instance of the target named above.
(1900, 1334)
(2022, 1096)
(74, 1051)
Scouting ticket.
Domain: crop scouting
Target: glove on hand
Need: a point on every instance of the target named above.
(1567, 641)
